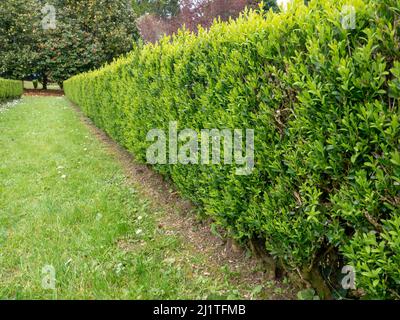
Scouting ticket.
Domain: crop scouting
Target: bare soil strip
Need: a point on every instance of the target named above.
(43, 93)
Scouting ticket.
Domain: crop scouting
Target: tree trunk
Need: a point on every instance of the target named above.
(44, 81)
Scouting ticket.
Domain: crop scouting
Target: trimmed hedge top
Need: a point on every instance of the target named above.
(10, 89)
(324, 104)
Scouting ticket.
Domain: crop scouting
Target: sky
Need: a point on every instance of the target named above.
(283, 2)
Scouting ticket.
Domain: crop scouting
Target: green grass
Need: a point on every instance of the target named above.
(65, 202)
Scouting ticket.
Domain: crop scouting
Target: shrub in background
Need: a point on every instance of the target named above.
(10, 89)
(324, 103)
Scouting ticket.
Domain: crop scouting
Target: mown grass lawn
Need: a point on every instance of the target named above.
(65, 203)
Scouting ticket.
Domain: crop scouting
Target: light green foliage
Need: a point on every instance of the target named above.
(10, 89)
(324, 103)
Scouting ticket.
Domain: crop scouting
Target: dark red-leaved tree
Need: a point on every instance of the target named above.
(194, 13)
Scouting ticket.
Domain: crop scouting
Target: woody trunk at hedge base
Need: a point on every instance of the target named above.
(323, 101)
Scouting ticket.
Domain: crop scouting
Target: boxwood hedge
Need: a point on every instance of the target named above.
(324, 103)
(10, 89)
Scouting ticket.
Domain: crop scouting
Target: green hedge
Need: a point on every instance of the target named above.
(10, 89)
(324, 103)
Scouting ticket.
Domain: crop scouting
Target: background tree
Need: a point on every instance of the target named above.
(19, 20)
(87, 34)
(193, 13)
(160, 8)
(270, 4)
